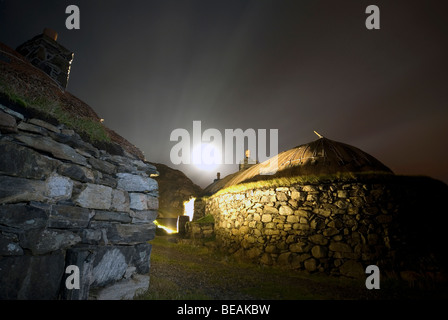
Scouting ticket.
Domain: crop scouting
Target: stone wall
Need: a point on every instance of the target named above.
(196, 230)
(65, 202)
(337, 227)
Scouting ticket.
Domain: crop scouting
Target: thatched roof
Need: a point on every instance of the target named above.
(320, 157)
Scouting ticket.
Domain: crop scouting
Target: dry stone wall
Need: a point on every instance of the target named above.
(65, 202)
(338, 227)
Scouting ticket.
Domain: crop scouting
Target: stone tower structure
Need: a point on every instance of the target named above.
(44, 52)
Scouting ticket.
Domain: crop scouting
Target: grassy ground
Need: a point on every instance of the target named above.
(185, 271)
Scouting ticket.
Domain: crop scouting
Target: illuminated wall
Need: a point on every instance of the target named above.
(65, 202)
(338, 228)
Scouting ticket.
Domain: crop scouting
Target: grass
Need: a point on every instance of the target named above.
(90, 127)
(201, 272)
(205, 219)
(225, 273)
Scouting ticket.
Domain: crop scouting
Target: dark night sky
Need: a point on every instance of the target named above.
(149, 67)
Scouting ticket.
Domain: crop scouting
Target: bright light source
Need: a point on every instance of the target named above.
(167, 229)
(206, 156)
(189, 208)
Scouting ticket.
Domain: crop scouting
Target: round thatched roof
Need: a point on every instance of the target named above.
(320, 157)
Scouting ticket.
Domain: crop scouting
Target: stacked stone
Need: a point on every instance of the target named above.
(338, 228)
(64, 202)
(196, 230)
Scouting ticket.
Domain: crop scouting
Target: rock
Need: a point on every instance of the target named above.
(298, 247)
(109, 264)
(42, 241)
(340, 247)
(9, 245)
(284, 258)
(310, 264)
(293, 219)
(138, 201)
(281, 196)
(23, 216)
(270, 210)
(143, 216)
(120, 200)
(112, 216)
(91, 236)
(21, 190)
(102, 165)
(318, 239)
(31, 277)
(13, 113)
(20, 161)
(58, 150)
(286, 210)
(76, 172)
(82, 258)
(295, 195)
(266, 218)
(95, 196)
(118, 233)
(8, 123)
(135, 183)
(59, 187)
(23, 126)
(352, 269)
(266, 259)
(126, 289)
(319, 252)
(152, 202)
(106, 180)
(44, 124)
(75, 142)
(69, 217)
(141, 257)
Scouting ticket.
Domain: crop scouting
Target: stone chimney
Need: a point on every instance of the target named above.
(44, 52)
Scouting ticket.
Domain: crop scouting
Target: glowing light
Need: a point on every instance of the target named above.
(206, 156)
(189, 208)
(167, 229)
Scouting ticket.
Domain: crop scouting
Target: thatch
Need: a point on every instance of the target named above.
(320, 157)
